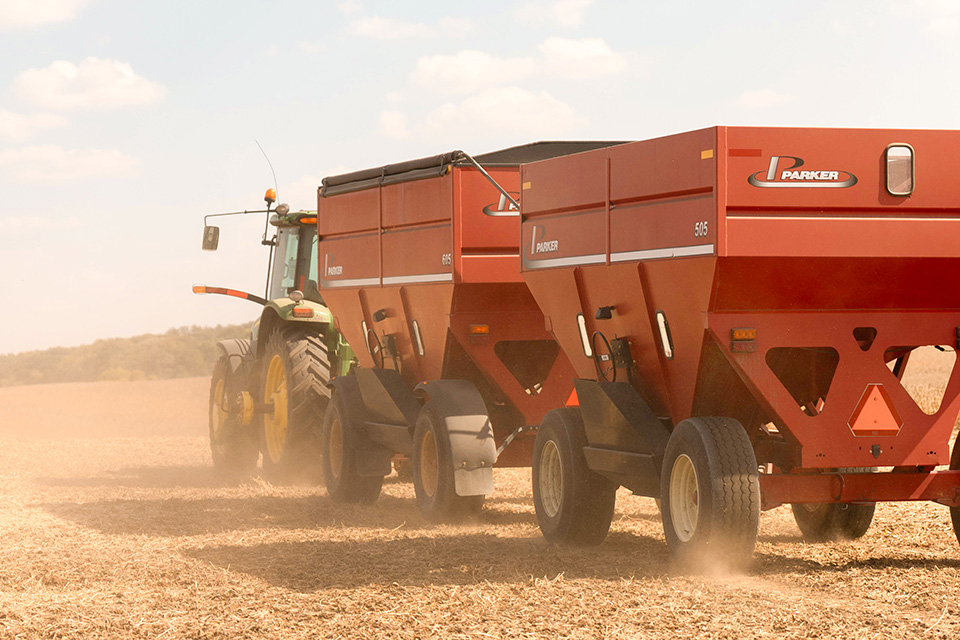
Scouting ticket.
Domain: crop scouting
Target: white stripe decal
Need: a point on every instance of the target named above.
(427, 277)
(656, 254)
(572, 261)
(355, 282)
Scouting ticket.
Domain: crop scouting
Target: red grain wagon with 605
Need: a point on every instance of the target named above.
(420, 263)
(740, 306)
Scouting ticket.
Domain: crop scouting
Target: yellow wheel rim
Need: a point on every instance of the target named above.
(429, 465)
(335, 448)
(275, 393)
(218, 415)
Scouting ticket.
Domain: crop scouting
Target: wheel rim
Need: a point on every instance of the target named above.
(218, 416)
(275, 393)
(550, 479)
(335, 448)
(429, 465)
(684, 498)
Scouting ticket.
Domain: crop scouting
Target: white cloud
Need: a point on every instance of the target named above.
(380, 28)
(350, 6)
(393, 124)
(469, 71)
(311, 47)
(762, 99)
(17, 223)
(503, 110)
(389, 29)
(584, 58)
(301, 194)
(29, 13)
(564, 13)
(17, 127)
(50, 163)
(94, 83)
(454, 27)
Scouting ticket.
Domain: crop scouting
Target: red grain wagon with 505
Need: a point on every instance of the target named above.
(419, 262)
(741, 306)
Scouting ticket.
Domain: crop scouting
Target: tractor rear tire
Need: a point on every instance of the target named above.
(830, 522)
(233, 447)
(710, 494)
(338, 459)
(293, 381)
(574, 505)
(433, 477)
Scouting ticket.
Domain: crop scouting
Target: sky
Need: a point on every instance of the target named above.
(123, 123)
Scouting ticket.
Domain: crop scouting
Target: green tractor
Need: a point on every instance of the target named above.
(269, 392)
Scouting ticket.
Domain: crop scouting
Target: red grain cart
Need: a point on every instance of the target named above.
(740, 306)
(419, 261)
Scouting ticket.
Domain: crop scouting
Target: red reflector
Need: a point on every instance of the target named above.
(302, 312)
(573, 400)
(479, 329)
(743, 346)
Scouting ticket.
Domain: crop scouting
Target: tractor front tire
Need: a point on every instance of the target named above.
(338, 457)
(233, 446)
(433, 478)
(710, 494)
(574, 505)
(293, 383)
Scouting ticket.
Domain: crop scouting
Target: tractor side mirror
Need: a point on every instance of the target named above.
(211, 238)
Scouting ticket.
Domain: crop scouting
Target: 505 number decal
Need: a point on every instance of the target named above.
(700, 229)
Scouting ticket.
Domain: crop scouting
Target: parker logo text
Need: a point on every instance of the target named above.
(781, 174)
(330, 270)
(539, 245)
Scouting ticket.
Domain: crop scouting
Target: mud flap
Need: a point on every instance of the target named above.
(472, 448)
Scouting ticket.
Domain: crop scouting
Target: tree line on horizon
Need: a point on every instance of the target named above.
(182, 352)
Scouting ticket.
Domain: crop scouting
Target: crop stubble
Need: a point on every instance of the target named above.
(133, 537)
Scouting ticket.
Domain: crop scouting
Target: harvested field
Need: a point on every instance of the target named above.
(115, 528)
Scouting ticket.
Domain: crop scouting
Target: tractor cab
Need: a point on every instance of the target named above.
(294, 256)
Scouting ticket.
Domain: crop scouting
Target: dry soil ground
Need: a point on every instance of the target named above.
(113, 525)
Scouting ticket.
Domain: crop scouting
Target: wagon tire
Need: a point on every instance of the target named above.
(234, 448)
(830, 522)
(955, 511)
(574, 505)
(339, 457)
(710, 494)
(433, 477)
(293, 383)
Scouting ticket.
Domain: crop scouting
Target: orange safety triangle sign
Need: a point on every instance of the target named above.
(875, 414)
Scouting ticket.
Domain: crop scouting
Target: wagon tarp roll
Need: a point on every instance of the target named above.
(434, 166)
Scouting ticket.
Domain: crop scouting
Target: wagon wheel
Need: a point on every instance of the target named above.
(433, 473)
(955, 511)
(375, 348)
(574, 505)
(828, 521)
(603, 361)
(339, 447)
(710, 493)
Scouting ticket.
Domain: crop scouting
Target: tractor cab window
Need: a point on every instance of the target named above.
(284, 277)
(313, 290)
